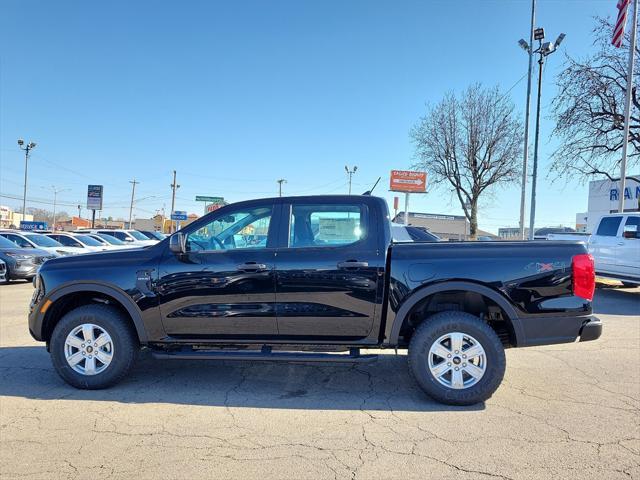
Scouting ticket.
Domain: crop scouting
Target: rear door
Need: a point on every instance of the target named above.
(628, 252)
(327, 273)
(604, 244)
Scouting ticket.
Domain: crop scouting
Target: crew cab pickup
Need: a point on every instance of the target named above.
(313, 279)
(615, 247)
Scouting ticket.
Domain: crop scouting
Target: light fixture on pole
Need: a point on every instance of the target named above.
(280, 182)
(525, 160)
(27, 149)
(544, 50)
(350, 173)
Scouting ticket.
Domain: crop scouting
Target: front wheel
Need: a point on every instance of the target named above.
(456, 358)
(93, 347)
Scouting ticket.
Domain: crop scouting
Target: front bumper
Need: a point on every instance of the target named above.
(543, 330)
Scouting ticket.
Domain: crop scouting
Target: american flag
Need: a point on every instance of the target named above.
(618, 31)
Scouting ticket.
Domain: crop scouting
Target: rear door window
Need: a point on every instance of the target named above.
(609, 226)
(331, 225)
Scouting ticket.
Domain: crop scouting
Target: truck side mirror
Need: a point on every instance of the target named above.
(177, 243)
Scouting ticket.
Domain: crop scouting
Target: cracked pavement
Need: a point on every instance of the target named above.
(564, 412)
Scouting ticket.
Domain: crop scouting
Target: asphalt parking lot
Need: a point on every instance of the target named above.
(564, 411)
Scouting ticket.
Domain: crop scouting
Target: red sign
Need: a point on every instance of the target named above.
(406, 181)
(213, 207)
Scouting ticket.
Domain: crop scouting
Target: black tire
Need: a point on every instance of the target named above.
(448, 322)
(125, 346)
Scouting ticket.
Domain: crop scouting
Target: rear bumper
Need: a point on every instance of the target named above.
(591, 330)
(561, 329)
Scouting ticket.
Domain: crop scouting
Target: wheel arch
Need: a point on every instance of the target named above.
(91, 290)
(424, 293)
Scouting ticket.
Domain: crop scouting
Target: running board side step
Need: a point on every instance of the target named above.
(266, 354)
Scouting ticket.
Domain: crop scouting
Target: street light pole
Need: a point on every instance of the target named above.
(350, 173)
(525, 160)
(544, 49)
(27, 149)
(55, 199)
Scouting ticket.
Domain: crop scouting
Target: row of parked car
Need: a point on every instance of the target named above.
(22, 252)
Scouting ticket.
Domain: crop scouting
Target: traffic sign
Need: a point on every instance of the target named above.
(407, 181)
(204, 198)
(179, 215)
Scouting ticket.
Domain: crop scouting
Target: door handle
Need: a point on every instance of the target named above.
(252, 267)
(352, 264)
(621, 243)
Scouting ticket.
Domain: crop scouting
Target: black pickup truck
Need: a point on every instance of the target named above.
(314, 278)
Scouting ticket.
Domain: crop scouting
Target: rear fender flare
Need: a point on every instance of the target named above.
(425, 292)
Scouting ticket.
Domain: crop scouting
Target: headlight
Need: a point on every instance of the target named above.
(19, 256)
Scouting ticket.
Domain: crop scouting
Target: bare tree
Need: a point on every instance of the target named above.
(43, 215)
(470, 143)
(589, 110)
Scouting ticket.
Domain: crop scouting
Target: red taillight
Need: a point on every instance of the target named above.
(584, 276)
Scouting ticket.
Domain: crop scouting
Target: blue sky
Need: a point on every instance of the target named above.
(234, 95)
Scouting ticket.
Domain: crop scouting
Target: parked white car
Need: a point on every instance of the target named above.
(84, 242)
(615, 247)
(132, 237)
(38, 240)
(111, 242)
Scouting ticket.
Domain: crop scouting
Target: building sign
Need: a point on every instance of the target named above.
(179, 215)
(614, 194)
(407, 181)
(33, 226)
(94, 197)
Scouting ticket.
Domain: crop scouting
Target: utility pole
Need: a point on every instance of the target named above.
(27, 149)
(525, 159)
(133, 192)
(80, 211)
(627, 108)
(544, 49)
(174, 186)
(280, 182)
(350, 173)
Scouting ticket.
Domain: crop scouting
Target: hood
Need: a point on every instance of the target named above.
(30, 252)
(105, 258)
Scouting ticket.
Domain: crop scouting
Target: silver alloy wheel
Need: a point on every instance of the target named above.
(88, 349)
(457, 360)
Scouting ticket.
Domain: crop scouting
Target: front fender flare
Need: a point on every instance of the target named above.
(119, 295)
(425, 292)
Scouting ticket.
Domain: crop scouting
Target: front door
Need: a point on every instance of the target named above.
(224, 285)
(327, 276)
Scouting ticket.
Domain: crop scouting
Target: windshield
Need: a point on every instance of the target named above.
(137, 235)
(42, 240)
(110, 239)
(4, 243)
(87, 240)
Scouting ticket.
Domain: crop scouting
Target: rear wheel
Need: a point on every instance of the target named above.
(93, 347)
(456, 358)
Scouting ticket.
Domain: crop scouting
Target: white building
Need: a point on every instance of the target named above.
(604, 196)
